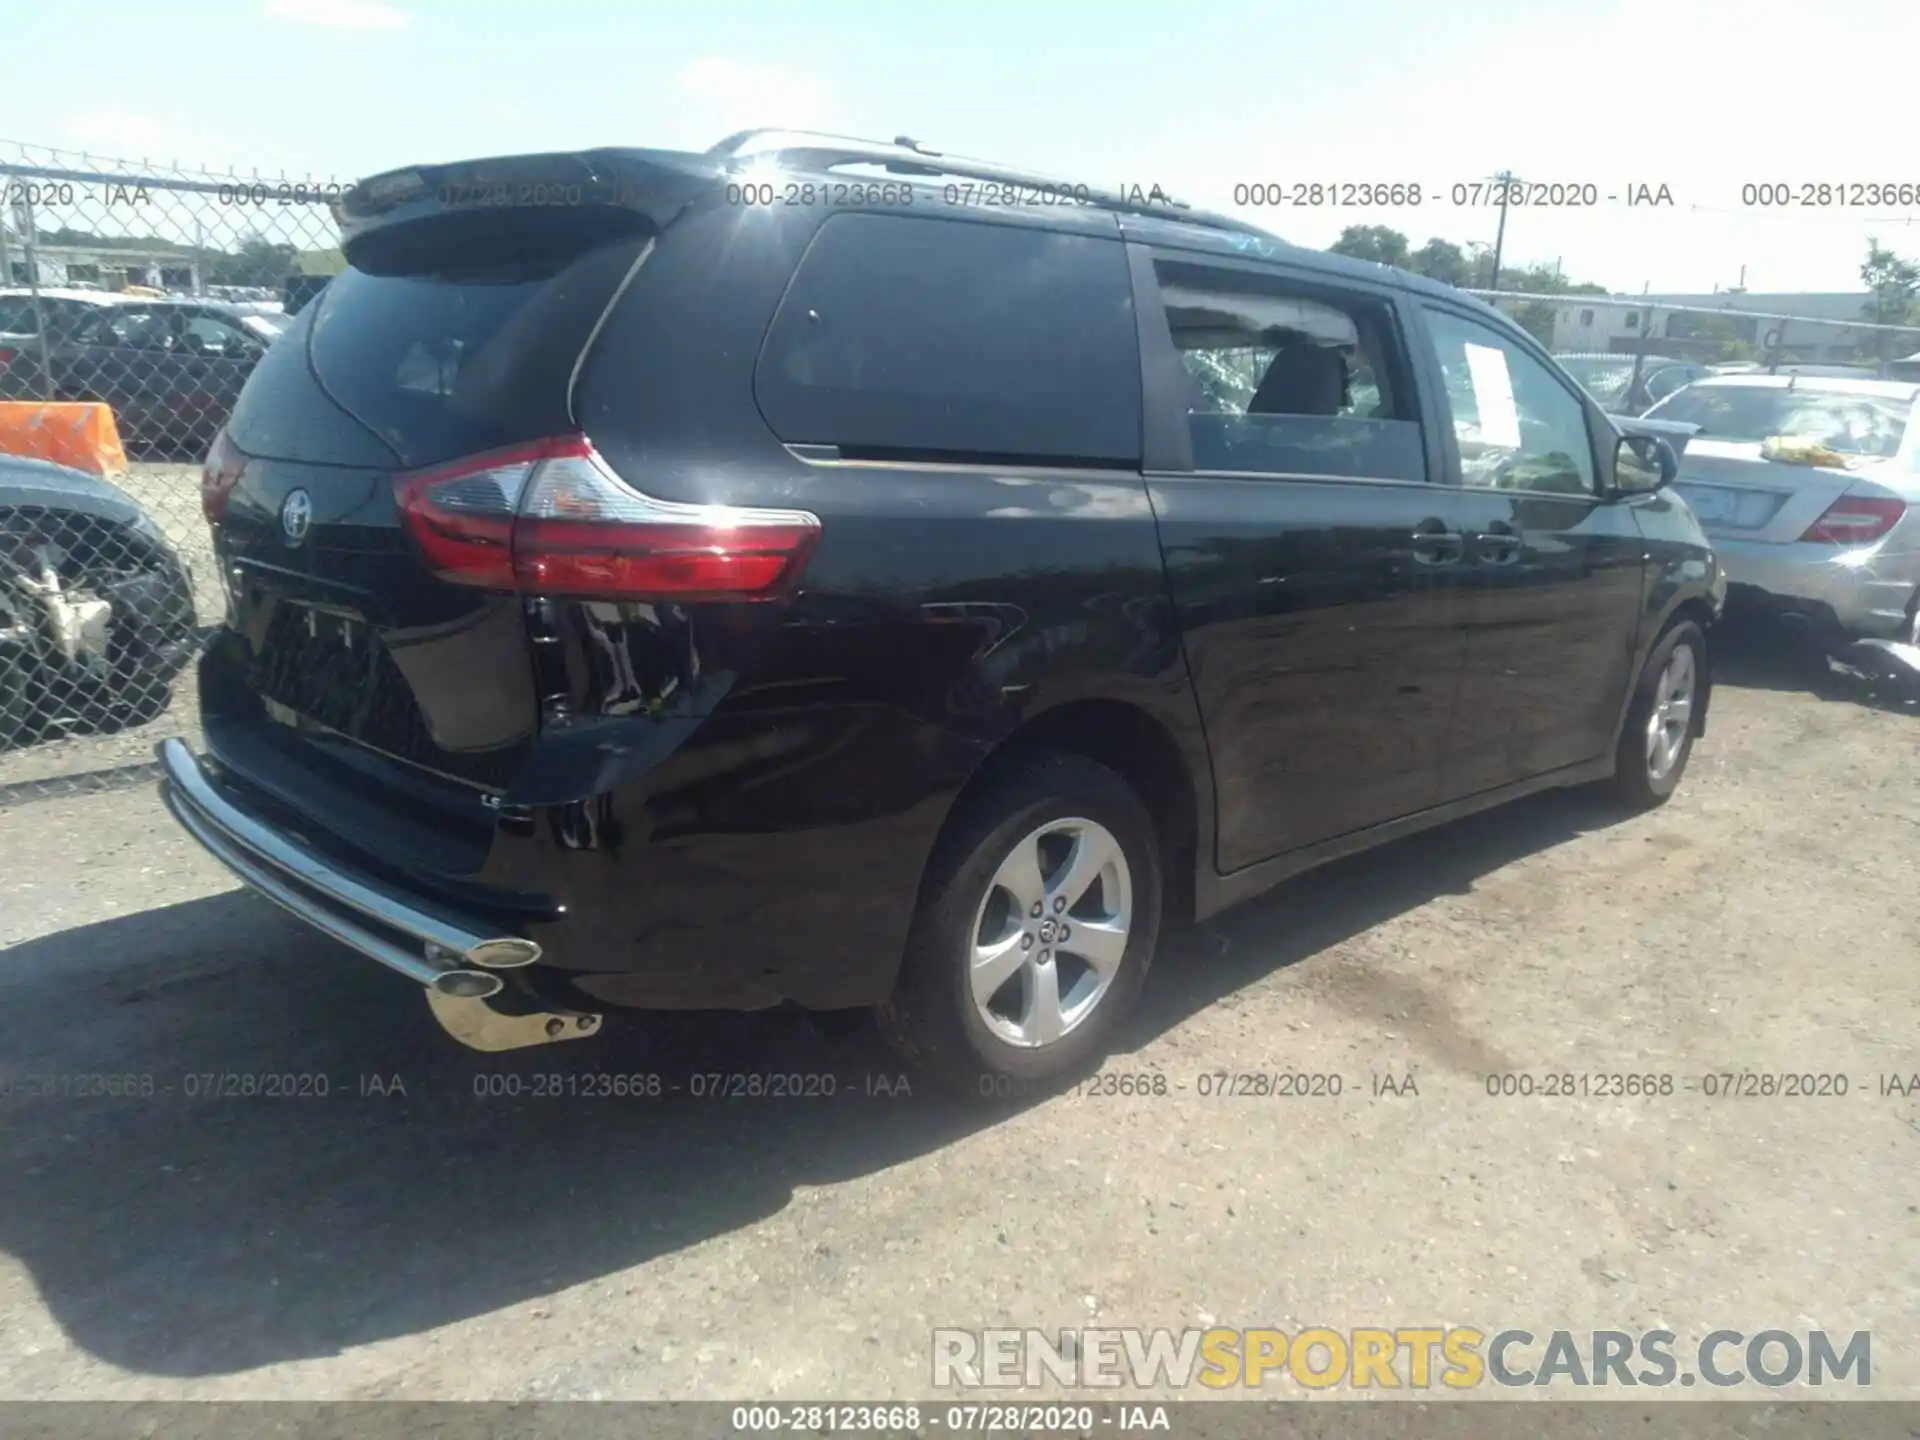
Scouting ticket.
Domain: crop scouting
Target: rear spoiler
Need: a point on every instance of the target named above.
(385, 216)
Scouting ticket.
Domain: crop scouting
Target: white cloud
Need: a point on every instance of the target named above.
(341, 14)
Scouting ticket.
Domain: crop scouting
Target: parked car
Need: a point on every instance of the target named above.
(299, 290)
(169, 368)
(1807, 487)
(63, 309)
(1826, 372)
(680, 599)
(96, 609)
(1609, 379)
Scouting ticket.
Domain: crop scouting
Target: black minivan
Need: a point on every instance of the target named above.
(834, 573)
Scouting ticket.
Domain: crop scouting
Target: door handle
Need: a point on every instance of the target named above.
(1498, 546)
(1434, 544)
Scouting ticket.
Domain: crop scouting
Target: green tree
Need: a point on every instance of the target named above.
(1381, 243)
(1536, 316)
(259, 261)
(1719, 331)
(65, 235)
(1444, 261)
(1893, 295)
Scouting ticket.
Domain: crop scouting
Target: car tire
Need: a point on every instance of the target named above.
(19, 711)
(1061, 832)
(1657, 739)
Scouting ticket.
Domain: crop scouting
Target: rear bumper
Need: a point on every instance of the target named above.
(1865, 594)
(429, 945)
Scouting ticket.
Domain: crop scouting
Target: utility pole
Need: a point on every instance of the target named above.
(1505, 181)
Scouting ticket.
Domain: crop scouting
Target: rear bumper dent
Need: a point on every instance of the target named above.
(1866, 595)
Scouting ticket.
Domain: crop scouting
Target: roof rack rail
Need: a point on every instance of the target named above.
(907, 156)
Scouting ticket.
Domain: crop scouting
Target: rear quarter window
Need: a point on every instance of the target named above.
(909, 338)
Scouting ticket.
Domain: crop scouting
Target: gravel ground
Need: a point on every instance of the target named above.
(444, 1244)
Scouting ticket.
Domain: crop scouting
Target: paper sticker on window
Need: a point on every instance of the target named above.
(1493, 396)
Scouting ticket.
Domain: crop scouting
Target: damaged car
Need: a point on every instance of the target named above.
(96, 609)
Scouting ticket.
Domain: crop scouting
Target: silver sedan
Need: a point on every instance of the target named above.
(1810, 491)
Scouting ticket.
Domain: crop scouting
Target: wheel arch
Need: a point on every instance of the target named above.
(1133, 743)
(1700, 611)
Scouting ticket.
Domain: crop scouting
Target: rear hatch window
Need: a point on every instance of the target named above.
(476, 352)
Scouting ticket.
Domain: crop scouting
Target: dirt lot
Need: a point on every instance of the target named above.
(443, 1243)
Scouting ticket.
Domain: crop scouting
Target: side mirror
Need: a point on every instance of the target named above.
(1643, 463)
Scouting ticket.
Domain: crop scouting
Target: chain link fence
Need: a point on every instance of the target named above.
(134, 302)
(136, 299)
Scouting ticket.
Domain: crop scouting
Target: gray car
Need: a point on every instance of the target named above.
(1835, 543)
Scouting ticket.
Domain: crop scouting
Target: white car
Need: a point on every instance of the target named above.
(1809, 488)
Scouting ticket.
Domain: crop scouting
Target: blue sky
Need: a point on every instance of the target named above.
(1196, 97)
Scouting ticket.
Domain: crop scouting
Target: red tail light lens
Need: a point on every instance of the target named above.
(7, 356)
(462, 513)
(1856, 520)
(550, 518)
(218, 477)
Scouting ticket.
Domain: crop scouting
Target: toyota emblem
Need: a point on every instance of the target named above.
(296, 515)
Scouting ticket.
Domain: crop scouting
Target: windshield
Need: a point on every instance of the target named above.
(1850, 424)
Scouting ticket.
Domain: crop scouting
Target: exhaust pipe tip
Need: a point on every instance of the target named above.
(468, 984)
(509, 952)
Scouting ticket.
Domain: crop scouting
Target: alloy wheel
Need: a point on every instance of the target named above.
(1050, 932)
(1672, 713)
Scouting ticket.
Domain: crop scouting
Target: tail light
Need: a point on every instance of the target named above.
(7, 357)
(218, 476)
(550, 518)
(1856, 520)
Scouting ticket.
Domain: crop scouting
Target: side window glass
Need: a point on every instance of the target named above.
(94, 329)
(908, 338)
(208, 335)
(1280, 380)
(138, 330)
(1518, 426)
(17, 316)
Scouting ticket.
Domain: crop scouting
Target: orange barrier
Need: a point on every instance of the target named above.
(77, 433)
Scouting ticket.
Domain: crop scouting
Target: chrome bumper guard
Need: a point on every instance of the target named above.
(448, 957)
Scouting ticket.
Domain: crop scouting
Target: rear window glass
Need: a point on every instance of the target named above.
(905, 337)
(446, 364)
(1280, 379)
(1850, 424)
